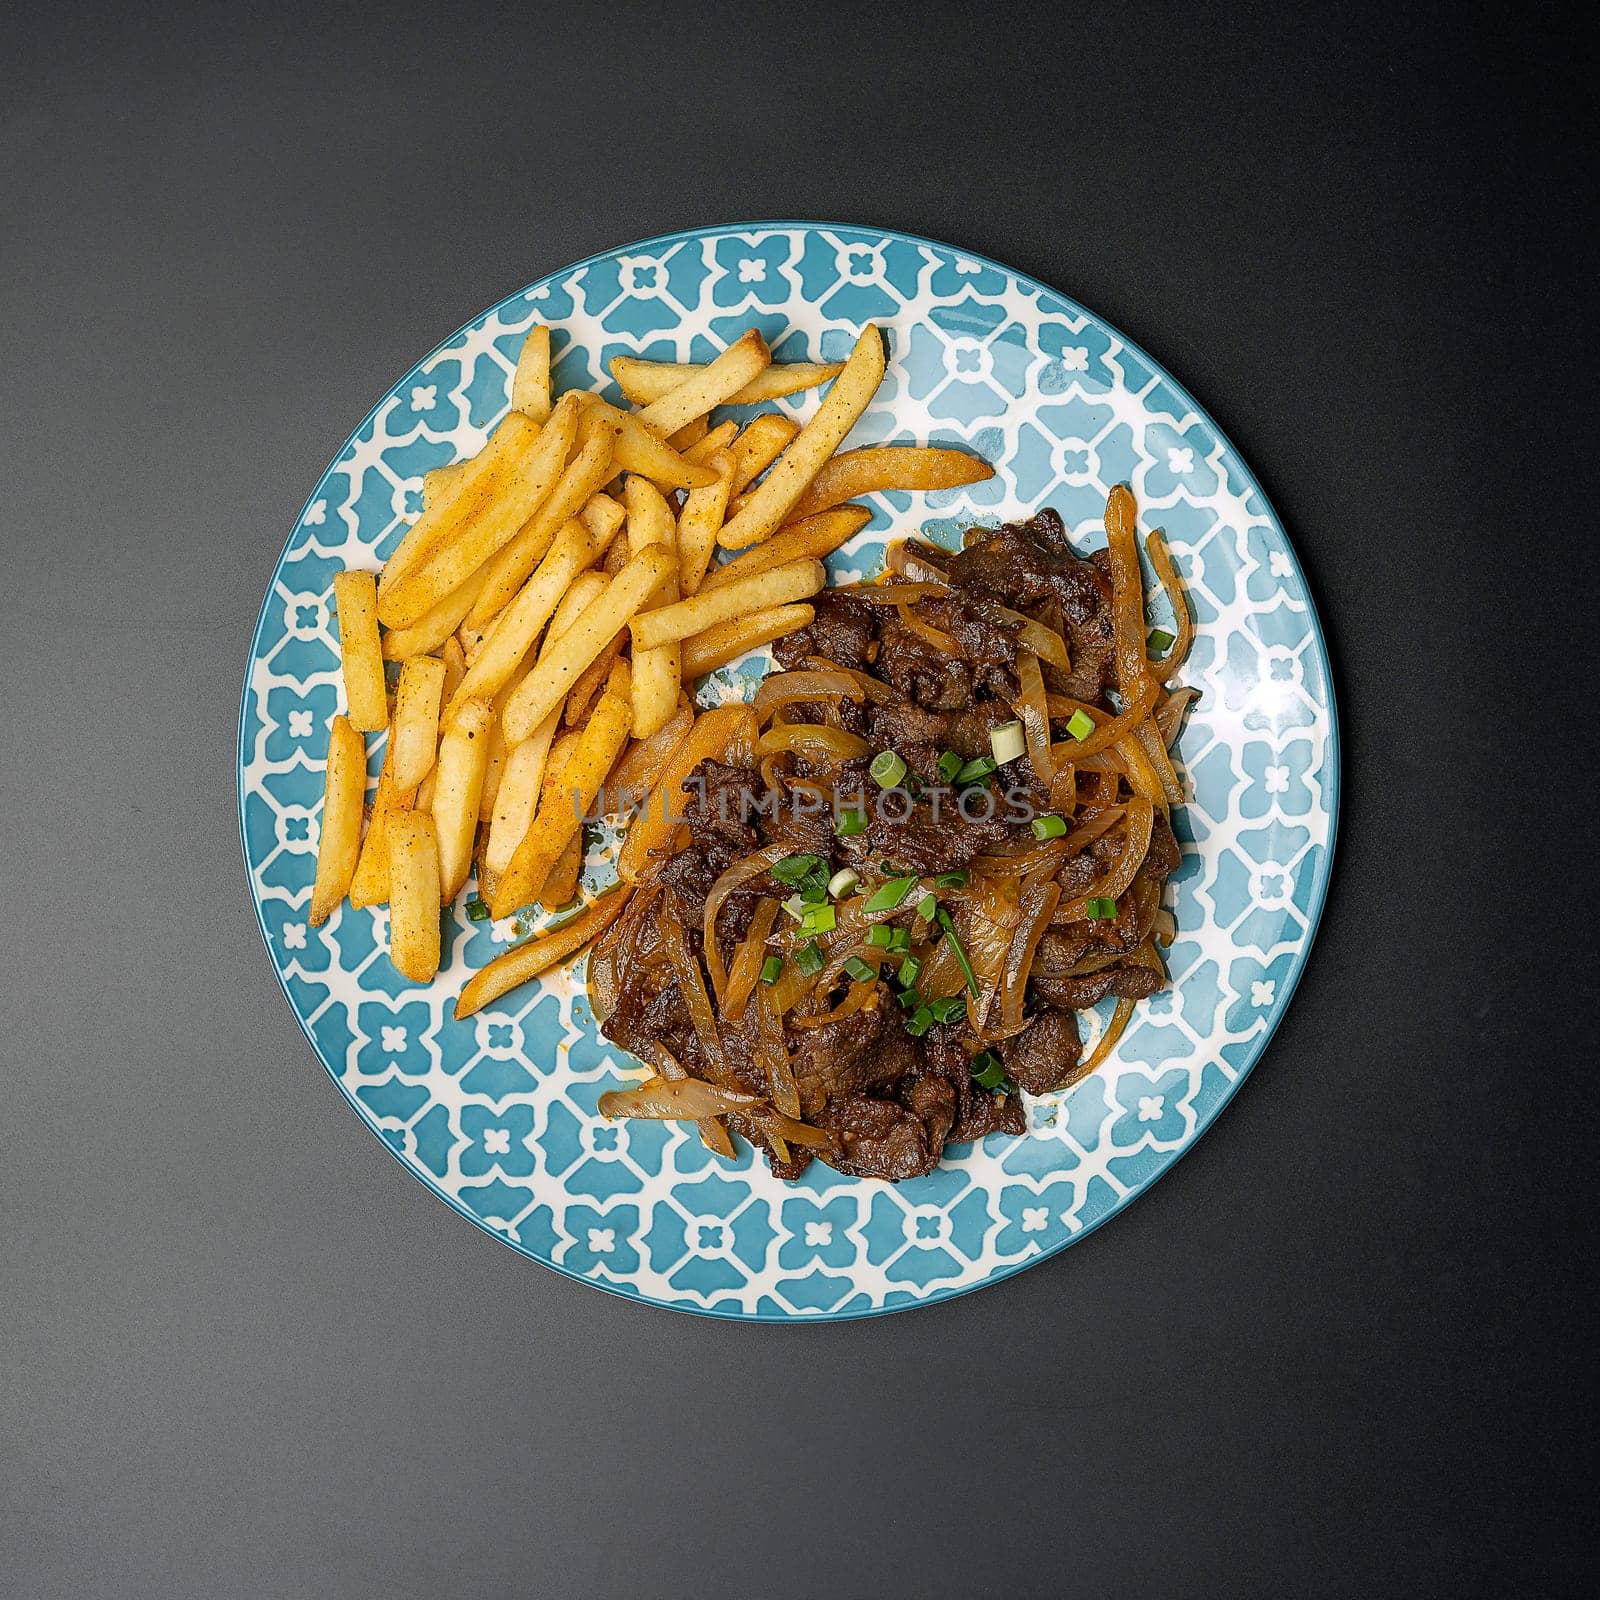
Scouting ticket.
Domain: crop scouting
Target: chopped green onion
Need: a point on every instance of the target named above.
(793, 868)
(950, 1009)
(919, 1022)
(949, 765)
(770, 968)
(795, 906)
(975, 771)
(880, 935)
(810, 959)
(1049, 827)
(842, 882)
(926, 907)
(850, 823)
(1160, 639)
(899, 938)
(892, 894)
(1080, 724)
(814, 894)
(887, 769)
(987, 1069)
(818, 919)
(910, 999)
(961, 955)
(909, 968)
(952, 880)
(1101, 909)
(860, 970)
(477, 909)
(1007, 742)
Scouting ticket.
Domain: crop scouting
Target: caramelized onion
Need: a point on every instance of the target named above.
(861, 992)
(1149, 737)
(712, 1133)
(1108, 729)
(747, 960)
(676, 949)
(773, 1055)
(878, 593)
(917, 559)
(810, 738)
(684, 1099)
(1127, 594)
(1155, 546)
(937, 637)
(871, 688)
(1169, 714)
(1040, 897)
(1141, 819)
(635, 774)
(1142, 776)
(784, 688)
(1030, 705)
(741, 872)
(1045, 642)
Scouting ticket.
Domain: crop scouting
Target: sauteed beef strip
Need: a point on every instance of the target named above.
(1045, 1054)
(844, 629)
(1078, 994)
(866, 1050)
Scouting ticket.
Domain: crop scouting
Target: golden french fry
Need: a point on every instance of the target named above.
(698, 522)
(546, 686)
(471, 641)
(689, 435)
(455, 666)
(888, 466)
(436, 624)
(581, 696)
(561, 814)
(640, 450)
(447, 567)
(655, 672)
(339, 842)
(583, 476)
(603, 516)
(355, 595)
(437, 482)
(709, 386)
(370, 886)
(458, 790)
(769, 506)
(518, 625)
(616, 558)
(530, 384)
(562, 882)
(766, 438)
(816, 536)
(461, 491)
(414, 896)
(526, 961)
(517, 798)
(717, 438)
(794, 580)
(716, 647)
(414, 737)
(644, 382)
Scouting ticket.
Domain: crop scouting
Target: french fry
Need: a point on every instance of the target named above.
(455, 666)
(471, 641)
(715, 439)
(458, 789)
(524, 962)
(616, 558)
(698, 522)
(639, 450)
(769, 506)
(603, 516)
(816, 536)
(437, 482)
(655, 672)
(530, 383)
(436, 624)
(355, 594)
(414, 896)
(339, 843)
(517, 798)
(581, 478)
(460, 492)
(794, 580)
(766, 438)
(581, 696)
(562, 882)
(448, 566)
(546, 686)
(560, 815)
(709, 386)
(689, 435)
(370, 886)
(644, 382)
(518, 625)
(414, 737)
(888, 466)
(716, 647)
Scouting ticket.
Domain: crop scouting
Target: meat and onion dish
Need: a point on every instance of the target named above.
(869, 908)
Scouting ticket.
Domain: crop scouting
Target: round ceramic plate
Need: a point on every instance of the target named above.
(497, 1115)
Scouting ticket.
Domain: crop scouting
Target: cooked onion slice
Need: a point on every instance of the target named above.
(784, 688)
(686, 1100)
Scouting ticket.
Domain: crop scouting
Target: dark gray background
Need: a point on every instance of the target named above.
(1339, 1350)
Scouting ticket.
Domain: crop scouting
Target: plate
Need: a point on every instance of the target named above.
(497, 1115)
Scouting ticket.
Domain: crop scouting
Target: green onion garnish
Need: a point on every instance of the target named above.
(814, 894)
(909, 968)
(1160, 639)
(849, 823)
(858, 969)
(899, 938)
(887, 769)
(1101, 909)
(793, 868)
(1080, 724)
(975, 771)
(842, 882)
(880, 935)
(949, 765)
(987, 1069)
(910, 998)
(952, 880)
(961, 955)
(892, 894)
(926, 907)
(950, 1009)
(770, 968)
(1007, 741)
(919, 1022)
(810, 959)
(795, 906)
(818, 919)
(1049, 827)
(477, 909)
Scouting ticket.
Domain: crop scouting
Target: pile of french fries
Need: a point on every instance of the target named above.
(549, 605)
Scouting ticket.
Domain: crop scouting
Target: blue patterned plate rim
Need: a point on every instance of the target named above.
(1315, 903)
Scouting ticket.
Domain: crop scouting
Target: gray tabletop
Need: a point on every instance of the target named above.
(1336, 1351)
